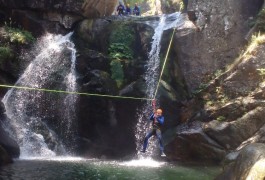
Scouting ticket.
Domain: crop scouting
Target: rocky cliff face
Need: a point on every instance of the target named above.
(223, 115)
(41, 16)
(223, 27)
(248, 165)
(227, 113)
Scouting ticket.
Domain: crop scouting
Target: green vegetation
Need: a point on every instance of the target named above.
(220, 118)
(218, 73)
(120, 50)
(202, 87)
(132, 2)
(5, 53)
(261, 72)
(122, 33)
(181, 6)
(117, 72)
(19, 36)
(261, 21)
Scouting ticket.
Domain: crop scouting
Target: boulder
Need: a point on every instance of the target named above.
(216, 44)
(4, 157)
(53, 16)
(231, 134)
(9, 144)
(170, 6)
(249, 164)
(90, 59)
(191, 143)
(87, 8)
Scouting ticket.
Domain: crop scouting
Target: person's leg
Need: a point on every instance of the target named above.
(148, 135)
(159, 136)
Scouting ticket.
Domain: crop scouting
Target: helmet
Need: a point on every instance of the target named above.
(159, 111)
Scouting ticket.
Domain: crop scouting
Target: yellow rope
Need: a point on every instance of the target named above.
(165, 61)
(72, 92)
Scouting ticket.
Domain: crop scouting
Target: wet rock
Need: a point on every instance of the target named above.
(135, 89)
(92, 34)
(53, 16)
(248, 165)
(4, 157)
(170, 6)
(258, 137)
(231, 134)
(191, 143)
(247, 78)
(202, 53)
(88, 8)
(8, 144)
(90, 59)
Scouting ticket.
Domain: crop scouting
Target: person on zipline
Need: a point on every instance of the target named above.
(157, 121)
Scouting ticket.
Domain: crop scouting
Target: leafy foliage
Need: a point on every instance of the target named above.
(117, 72)
(120, 50)
(122, 34)
(261, 73)
(5, 53)
(132, 2)
(220, 118)
(19, 36)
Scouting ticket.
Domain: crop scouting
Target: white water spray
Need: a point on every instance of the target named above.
(29, 111)
(151, 77)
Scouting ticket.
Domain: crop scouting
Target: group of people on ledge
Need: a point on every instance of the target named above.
(126, 10)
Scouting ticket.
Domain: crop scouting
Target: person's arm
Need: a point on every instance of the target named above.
(160, 120)
(152, 117)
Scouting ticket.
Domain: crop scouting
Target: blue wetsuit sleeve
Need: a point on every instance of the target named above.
(161, 120)
(152, 117)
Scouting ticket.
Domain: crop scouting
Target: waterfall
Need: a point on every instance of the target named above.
(41, 121)
(151, 77)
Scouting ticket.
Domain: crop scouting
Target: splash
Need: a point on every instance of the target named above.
(30, 111)
(146, 162)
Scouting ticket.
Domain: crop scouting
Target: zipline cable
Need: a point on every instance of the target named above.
(165, 61)
(100, 95)
(72, 92)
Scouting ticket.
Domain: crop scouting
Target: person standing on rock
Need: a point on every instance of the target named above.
(120, 9)
(157, 121)
(128, 10)
(136, 10)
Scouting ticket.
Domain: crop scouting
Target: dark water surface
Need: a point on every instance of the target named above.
(79, 169)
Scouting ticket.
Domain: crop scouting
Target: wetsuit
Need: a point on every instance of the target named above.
(128, 11)
(157, 123)
(136, 11)
(120, 9)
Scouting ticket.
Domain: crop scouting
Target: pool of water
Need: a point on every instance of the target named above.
(90, 169)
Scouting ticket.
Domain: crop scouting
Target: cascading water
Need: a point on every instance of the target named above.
(174, 20)
(30, 111)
